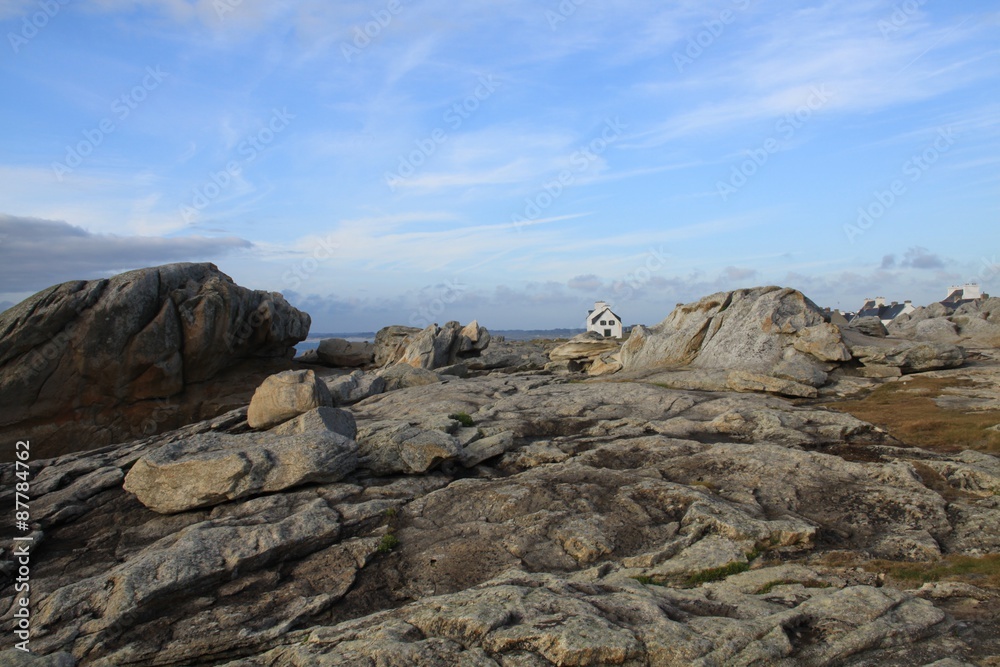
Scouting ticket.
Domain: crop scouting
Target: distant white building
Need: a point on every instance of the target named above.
(966, 292)
(602, 320)
(877, 307)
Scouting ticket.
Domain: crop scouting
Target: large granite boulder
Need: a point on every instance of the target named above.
(430, 348)
(973, 324)
(285, 395)
(342, 353)
(77, 357)
(870, 326)
(765, 332)
(906, 355)
(584, 347)
(589, 351)
(212, 468)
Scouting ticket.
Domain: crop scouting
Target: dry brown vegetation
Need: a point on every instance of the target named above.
(981, 571)
(908, 412)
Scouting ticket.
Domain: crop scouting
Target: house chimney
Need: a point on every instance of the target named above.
(879, 301)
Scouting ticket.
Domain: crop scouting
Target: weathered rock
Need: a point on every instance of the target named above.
(975, 324)
(84, 360)
(870, 326)
(286, 395)
(585, 347)
(392, 447)
(430, 348)
(822, 342)
(575, 492)
(321, 419)
(606, 364)
(768, 338)
(357, 386)
(938, 330)
(745, 381)
(339, 352)
(801, 369)
(390, 343)
(474, 339)
(183, 571)
(908, 356)
(597, 619)
(511, 355)
(486, 448)
(402, 376)
(17, 658)
(209, 469)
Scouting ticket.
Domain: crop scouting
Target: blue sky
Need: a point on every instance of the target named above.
(394, 161)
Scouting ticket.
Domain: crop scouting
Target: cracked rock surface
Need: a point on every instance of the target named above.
(611, 521)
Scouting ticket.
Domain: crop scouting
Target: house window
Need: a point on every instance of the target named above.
(607, 333)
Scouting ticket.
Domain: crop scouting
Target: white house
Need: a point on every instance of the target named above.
(966, 292)
(603, 321)
(877, 307)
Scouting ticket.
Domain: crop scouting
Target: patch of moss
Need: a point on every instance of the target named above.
(717, 573)
(981, 571)
(977, 570)
(463, 418)
(388, 543)
(647, 581)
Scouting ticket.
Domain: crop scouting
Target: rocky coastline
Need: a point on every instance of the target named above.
(703, 494)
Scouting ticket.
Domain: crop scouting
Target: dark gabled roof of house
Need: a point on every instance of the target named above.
(956, 297)
(837, 317)
(869, 309)
(598, 314)
(887, 312)
(892, 311)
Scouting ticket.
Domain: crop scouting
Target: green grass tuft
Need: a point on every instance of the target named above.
(717, 573)
(388, 543)
(463, 418)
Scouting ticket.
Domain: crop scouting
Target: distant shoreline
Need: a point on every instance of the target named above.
(312, 342)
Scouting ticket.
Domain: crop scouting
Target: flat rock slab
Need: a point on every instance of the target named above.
(543, 619)
(212, 468)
